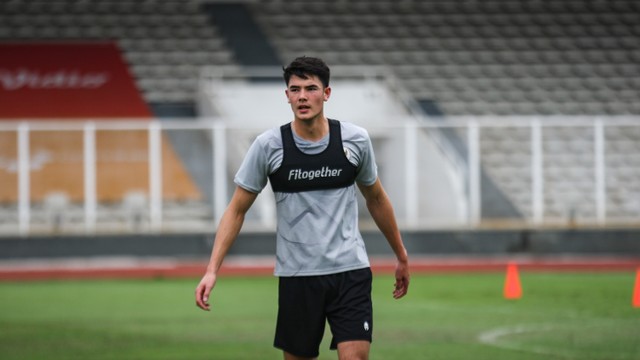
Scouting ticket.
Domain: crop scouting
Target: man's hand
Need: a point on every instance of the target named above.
(402, 280)
(204, 290)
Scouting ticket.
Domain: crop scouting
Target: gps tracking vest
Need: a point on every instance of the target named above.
(299, 172)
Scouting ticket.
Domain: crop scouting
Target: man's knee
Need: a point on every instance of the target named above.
(289, 356)
(354, 350)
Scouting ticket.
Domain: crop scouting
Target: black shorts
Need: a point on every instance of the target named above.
(306, 303)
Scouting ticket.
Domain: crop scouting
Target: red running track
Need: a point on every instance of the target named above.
(127, 268)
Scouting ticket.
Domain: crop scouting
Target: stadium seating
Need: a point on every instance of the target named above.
(575, 57)
(568, 160)
(165, 42)
(475, 58)
(498, 58)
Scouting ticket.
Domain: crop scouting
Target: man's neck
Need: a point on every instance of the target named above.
(311, 130)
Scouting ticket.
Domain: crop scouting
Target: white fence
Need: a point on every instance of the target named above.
(543, 171)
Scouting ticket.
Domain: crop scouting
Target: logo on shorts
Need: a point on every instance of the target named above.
(366, 326)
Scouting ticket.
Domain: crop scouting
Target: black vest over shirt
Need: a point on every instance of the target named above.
(329, 169)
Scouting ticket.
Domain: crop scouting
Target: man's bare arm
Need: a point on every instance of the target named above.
(228, 230)
(381, 210)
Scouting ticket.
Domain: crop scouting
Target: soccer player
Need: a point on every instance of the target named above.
(313, 164)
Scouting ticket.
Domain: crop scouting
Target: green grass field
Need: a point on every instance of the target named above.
(461, 316)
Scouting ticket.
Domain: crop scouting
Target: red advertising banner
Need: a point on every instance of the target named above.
(67, 80)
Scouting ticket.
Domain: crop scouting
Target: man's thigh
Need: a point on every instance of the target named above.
(350, 312)
(301, 318)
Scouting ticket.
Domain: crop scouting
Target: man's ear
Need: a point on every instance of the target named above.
(286, 92)
(327, 93)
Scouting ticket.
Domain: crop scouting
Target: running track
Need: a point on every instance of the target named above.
(134, 268)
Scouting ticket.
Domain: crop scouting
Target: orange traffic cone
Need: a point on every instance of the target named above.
(512, 287)
(636, 290)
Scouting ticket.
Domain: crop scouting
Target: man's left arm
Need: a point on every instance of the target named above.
(381, 210)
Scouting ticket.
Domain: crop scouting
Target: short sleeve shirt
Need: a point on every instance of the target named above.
(317, 231)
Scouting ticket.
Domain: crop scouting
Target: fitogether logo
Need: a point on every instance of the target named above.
(299, 174)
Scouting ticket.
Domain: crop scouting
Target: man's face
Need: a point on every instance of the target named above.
(307, 97)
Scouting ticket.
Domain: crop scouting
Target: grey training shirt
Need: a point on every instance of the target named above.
(317, 231)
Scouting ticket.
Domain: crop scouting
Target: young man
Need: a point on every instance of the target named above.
(324, 275)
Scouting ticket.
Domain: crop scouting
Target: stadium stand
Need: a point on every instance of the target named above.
(122, 155)
(57, 186)
(535, 57)
(165, 74)
(478, 58)
(165, 42)
(496, 58)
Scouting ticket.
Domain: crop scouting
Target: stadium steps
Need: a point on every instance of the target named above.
(243, 36)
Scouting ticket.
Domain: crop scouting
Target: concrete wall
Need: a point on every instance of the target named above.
(610, 242)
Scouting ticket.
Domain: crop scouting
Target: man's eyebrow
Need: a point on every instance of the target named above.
(306, 86)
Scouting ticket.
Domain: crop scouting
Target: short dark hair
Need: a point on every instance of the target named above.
(305, 66)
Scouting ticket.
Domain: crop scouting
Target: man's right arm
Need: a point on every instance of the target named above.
(228, 230)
